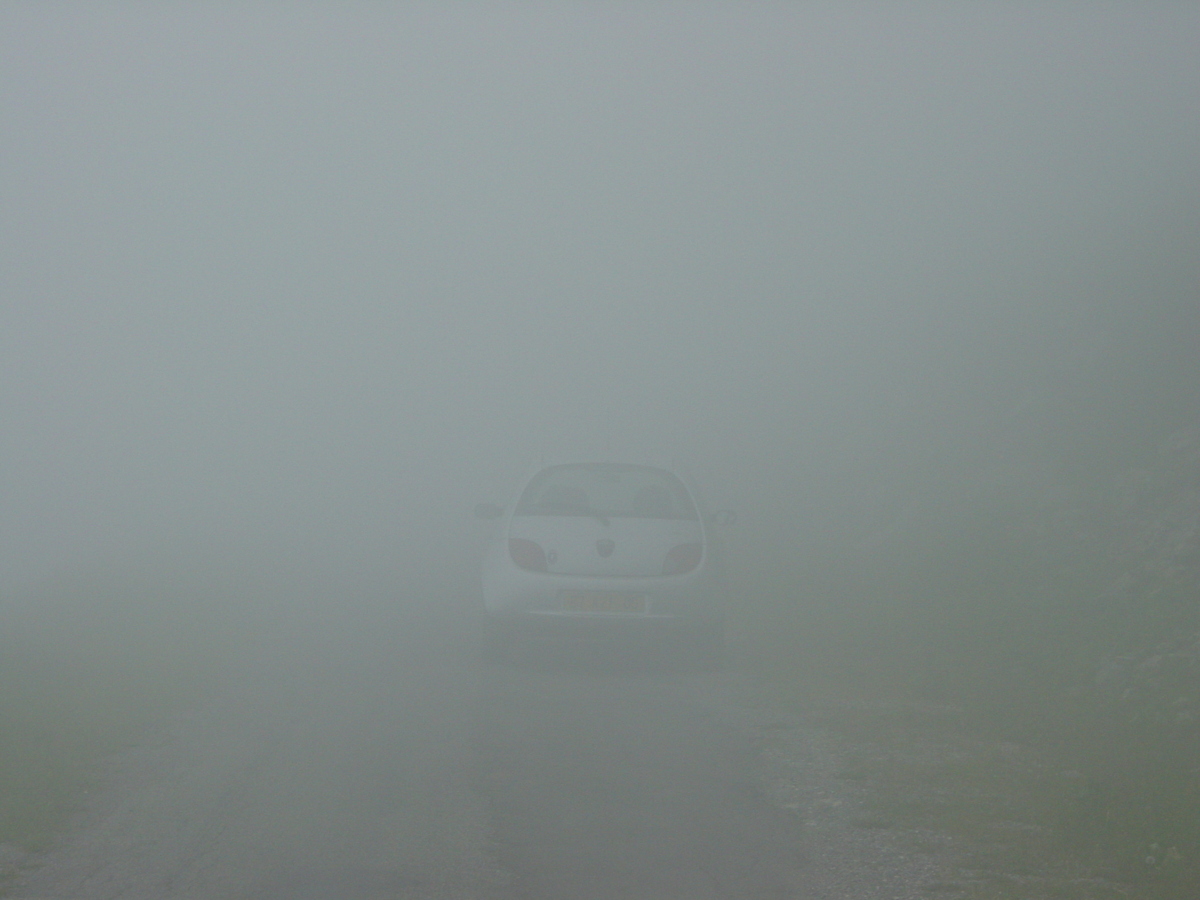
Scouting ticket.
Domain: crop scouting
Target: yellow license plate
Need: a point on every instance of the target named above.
(622, 602)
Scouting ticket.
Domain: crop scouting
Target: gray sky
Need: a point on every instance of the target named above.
(323, 276)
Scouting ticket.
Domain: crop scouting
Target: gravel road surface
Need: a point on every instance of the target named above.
(375, 756)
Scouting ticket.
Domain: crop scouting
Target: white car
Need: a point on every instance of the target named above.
(590, 550)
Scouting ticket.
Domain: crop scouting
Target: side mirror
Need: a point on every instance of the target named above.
(488, 511)
(724, 517)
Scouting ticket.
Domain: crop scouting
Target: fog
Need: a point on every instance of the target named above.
(286, 290)
(307, 284)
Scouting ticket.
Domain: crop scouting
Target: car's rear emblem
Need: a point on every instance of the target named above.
(605, 547)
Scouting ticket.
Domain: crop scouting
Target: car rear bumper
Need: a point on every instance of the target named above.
(560, 626)
(509, 590)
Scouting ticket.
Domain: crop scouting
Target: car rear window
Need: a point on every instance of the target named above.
(603, 489)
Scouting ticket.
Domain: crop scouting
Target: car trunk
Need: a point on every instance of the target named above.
(596, 546)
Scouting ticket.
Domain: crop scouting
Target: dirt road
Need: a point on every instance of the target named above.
(375, 756)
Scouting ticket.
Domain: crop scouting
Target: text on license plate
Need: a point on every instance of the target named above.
(603, 602)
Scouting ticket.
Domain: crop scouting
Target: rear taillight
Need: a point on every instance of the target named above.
(682, 558)
(527, 554)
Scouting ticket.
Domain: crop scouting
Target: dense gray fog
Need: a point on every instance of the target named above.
(308, 283)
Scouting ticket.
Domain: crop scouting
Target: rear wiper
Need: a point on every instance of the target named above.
(588, 511)
(556, 510)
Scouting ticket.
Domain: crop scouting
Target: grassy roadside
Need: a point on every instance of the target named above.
(1057, 743)
(62, 708)
(87, 666)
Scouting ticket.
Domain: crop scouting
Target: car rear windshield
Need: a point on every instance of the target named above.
(606, 490)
